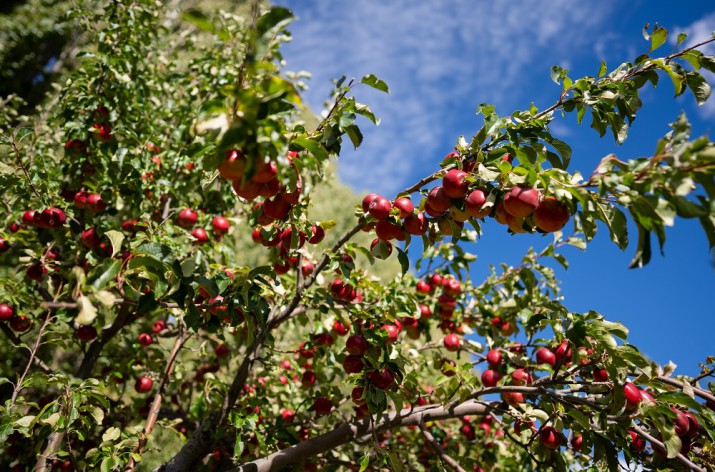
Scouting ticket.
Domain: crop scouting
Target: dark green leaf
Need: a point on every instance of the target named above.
(698, 85)
(658, 37)
(643, 251)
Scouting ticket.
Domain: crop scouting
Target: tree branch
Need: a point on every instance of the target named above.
(438, 449)
(680, 458)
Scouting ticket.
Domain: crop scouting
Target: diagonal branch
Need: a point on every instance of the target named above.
(438, 449)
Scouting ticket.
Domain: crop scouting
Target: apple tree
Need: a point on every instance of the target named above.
(170, 300)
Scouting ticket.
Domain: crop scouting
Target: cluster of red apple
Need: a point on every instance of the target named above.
(455, 201)
(16, 321)
(186, 218)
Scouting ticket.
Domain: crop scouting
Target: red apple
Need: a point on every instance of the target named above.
(86, 334)
(681, 423)
(4, 246)
(438, 200)
(356, 345)
(186, 218)
(521, 377)
(545, 356)
(322, 406)
(550, 437)
(405, 206)
(474, 204)
(633, 396)
(6, 312)
(521, 201)
(380, 249)
(248, 190)
(353, 364)
(220, 225)
(143, 384)
(145, 339)
(357, 395)
(382, 379)
(95, 203)
(490, 377)
(265, 172)
(577, 442)
(500, 213)
(551, 215)
(339, 328)
(387, 230)
(637, 443)
(233, 165)
(90, 238)
(452, 342)
(20, 323)
(318, 234)
(392, 333)
(423, 287)
(600, 374)
(451, 286)
(380, 208)
(513, 398)
(308, 379)
(369, 198)
(455, 184)
(494, 358)
(36, 272)
(200, 235)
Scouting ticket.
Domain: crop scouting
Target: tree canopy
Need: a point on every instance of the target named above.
(184, 285)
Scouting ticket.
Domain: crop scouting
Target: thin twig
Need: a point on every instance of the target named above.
(438, 449)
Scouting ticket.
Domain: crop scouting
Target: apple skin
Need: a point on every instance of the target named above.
(513, 398)
(490, 378)
(387, 230)
(551, 215)
(405, 206)
(452, 342)
(380, 208)
(4, 246)
(233, 166)
(451, 286)
(357, 395)
(681, 423)
(416, 224)
(322, 406)
(577, 443)
(353, 364)
(308, 379)
(494, 358)
(248, 190)
(633, 396)
(600, 374)
(145, 339)
(220, 225)
(545, 356)
(474, 203)
(288, 415)
(143, 384)
(200, 235)
(637, 443)
(265, 172)
(356, 345)
(550, 437)
(521, 201)
(6, 312)
(222, 351)
(521, 377)
(438, 200)
(367, 200)
(317, 234)
(392, 333)
(186, 218)
(382, 379)
(340, 329)
(90, 238)
(455, 183)
(86, 334)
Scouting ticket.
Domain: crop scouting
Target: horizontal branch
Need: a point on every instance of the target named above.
(680, 458)
(352, 431)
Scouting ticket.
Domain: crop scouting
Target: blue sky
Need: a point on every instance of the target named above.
(442, 59)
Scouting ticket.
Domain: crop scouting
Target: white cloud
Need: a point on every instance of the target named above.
(440, 59)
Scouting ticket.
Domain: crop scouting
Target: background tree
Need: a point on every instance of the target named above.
(149, 335)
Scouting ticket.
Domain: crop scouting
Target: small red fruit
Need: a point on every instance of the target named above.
(86, 334)
(545, 356)
(405, 206)
(490, 378)
(600, 374)
(145, 339)
(577, 442)
(474, 203)
(220, 225)
(380, 208)
(233, 165)
(438, 200)
(186, 218)
(521, 377)
(322, 406)
(357, 395)
(143, 384)
(382, 379)
(392, 333)
(353, 364)
(455, 184)
(550, 437)
(494, 358)
(288, 415)
(308, 379)
(415, 224)
(90, 238)
(633, 396)
(158, 326)
(452, 342)
(200, 235)
(356, 345)
(266, 171)
(318, 234)
(6, 312)
(521, 201)
(369, 198)
(340, 329)
(551, 215)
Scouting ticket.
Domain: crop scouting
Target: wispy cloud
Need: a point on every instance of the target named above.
(440, 59)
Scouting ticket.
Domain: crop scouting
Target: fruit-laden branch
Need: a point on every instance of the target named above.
(704, 394)
(659, 444)
(44, 463)
(438, 449)
(353, 431)
(158, 398)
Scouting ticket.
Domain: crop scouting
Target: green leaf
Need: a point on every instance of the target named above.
(375, 82)
(112, 434)
(403, 259)
(275, 19)
(699, 86)
(116, 238)
(658, 37)
(104, 273)
(354, 134)
(643, 251)
(310, 145)
(603, 69)
(87, 311)
(681, 37)
(364, 462)
(615, 221)
(198, 19)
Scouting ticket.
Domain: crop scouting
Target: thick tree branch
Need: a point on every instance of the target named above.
(352, 431)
